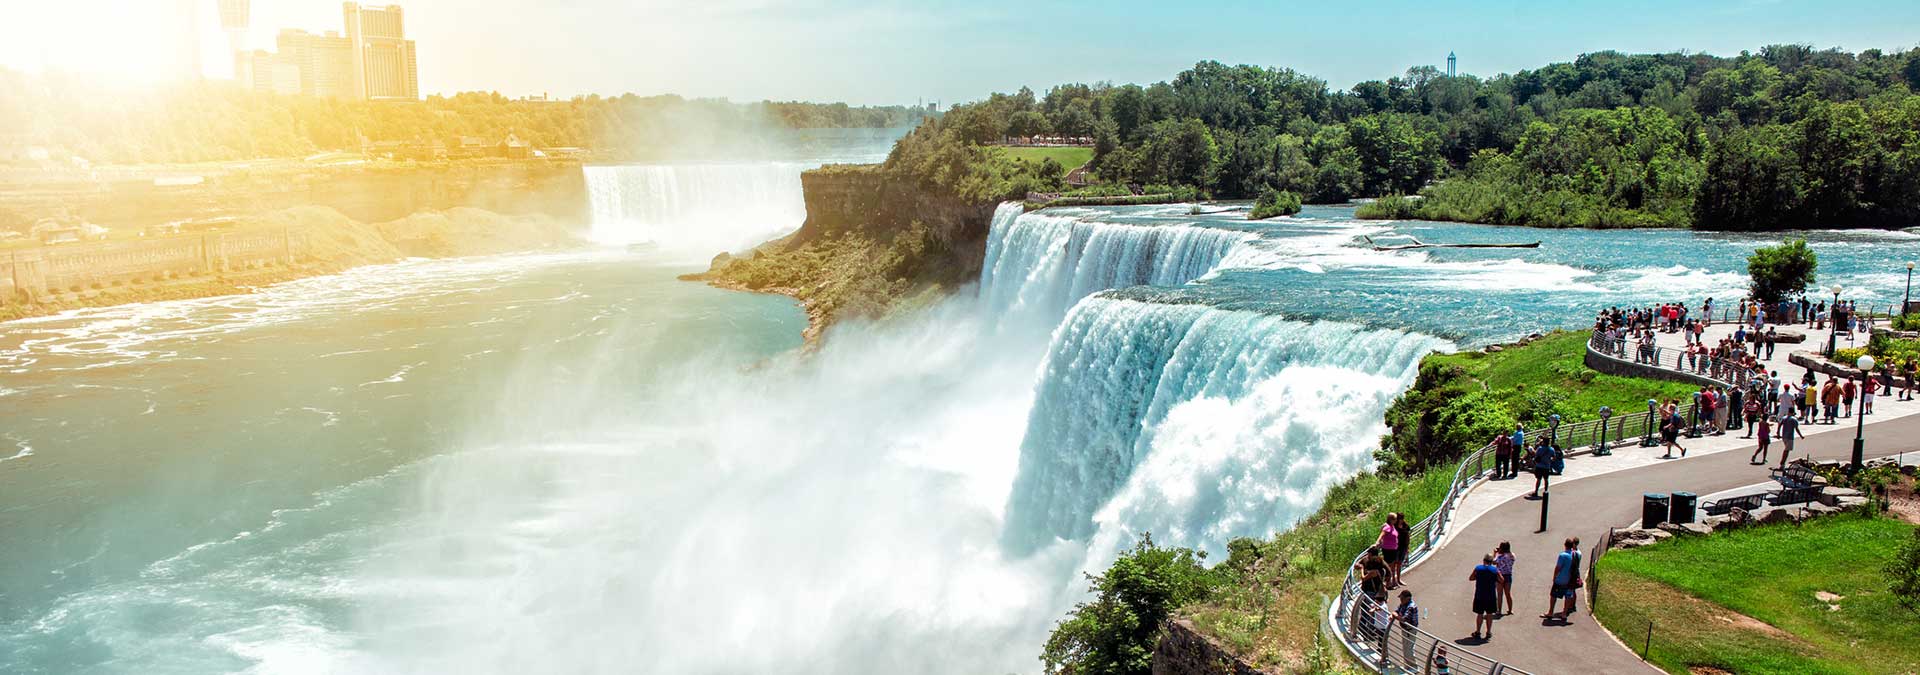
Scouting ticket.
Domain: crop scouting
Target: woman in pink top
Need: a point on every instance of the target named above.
(1390, 548)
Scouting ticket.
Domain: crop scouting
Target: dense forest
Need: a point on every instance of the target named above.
(1783, 137)
(75, 117)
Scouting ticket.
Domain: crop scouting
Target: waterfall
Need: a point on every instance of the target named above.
(1197, 423)
(698, 209)
(1044, 262)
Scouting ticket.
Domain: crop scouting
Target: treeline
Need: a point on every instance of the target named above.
(1786, 136)
(76, 117)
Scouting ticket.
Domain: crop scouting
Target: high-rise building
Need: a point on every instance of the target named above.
(382, 55)
(373, 61)
(189, 13)
(234, 18)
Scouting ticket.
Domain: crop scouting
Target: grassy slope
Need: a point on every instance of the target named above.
(1271, 619)
(1696, 590)
(1069, 158)
(1558, 359)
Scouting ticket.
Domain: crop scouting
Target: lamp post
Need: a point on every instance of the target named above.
(1909, 298)
(1860, 429)
(1833, 313)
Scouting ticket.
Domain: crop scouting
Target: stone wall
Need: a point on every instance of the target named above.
(32, 274)
(1184, 651)
(1613, 365)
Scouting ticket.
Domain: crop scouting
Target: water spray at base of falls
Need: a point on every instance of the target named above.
(695, 210)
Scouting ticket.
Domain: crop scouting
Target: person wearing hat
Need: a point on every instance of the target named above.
(1407, 615)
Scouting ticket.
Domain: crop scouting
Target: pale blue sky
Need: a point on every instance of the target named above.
(887, 51)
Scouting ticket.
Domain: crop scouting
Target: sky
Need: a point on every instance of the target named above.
(901, 51)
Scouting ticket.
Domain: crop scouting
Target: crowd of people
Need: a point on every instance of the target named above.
(1771, 406)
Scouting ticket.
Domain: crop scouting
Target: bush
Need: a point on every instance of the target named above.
(1275, 203)
(1115, 633)
(1903, 573)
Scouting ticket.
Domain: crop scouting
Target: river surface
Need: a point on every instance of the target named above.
(573, 462)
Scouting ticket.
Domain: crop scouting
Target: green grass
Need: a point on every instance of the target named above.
(1271, 614)
(1744, 601)
(1559, 360)
(1069, 158)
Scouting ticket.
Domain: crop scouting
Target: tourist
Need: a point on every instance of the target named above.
(1759, 456)
(1789, 430)
(1566, 580)
(1751, 413)
(1670, 430)
(1886, 379)
(1544, 456)
(1438, 666)
(1866, 396)
(1406, 544)
(1486, 597)
(1810, 395)
(1913, 378)
(1773, 337)
(1503, 560)
(1373, 574)
(1830, 399)
(1502, 456)
(1389, 545)
(1519, 439)
(1407, 615)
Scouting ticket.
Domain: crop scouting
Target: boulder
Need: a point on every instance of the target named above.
(1635, 538)
(1495, 349)
(1832, 495)
(1851, 503)
(1815, 509)
(1777, 515)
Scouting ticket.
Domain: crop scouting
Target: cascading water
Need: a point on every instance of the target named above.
(697, 209)
(1043, 262)
(1245, 417)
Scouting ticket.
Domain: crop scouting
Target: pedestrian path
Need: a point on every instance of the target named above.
(1594, 494)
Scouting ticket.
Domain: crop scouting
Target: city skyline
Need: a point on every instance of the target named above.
(876, 52)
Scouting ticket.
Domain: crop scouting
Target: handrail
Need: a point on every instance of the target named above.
(1369, 644)
(1724, 372)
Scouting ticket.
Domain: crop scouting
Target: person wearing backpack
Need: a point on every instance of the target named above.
(1566, 581)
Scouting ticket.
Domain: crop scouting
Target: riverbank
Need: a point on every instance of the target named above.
(312, 241)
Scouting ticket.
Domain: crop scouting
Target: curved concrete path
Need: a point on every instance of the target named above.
(1597, 493)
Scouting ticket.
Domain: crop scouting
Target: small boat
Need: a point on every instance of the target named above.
(1417, 244)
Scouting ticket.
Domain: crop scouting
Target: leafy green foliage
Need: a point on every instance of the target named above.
(1273, 203)
(1115, 633)
(1782, 271)
(1903, 573)
(1390, 207)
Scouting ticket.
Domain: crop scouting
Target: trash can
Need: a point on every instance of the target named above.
(1653, 509)
(1681, 511)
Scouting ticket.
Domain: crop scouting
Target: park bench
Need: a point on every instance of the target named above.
(1796, 495)
(1796, 476)
(1721, 507)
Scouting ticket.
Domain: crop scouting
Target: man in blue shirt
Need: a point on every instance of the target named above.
(1566, 580)
(1789, 430)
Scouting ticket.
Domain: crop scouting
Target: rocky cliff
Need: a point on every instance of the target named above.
(873, 242)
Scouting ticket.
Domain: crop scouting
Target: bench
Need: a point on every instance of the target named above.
(1796, 495)
(1796, 476)
(1721, 507)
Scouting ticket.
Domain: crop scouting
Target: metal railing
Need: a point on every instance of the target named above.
(1719, 371)
(1387, 646)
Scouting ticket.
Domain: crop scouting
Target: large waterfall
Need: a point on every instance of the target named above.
(699, 209)
(1044, 262)
(1248, 418)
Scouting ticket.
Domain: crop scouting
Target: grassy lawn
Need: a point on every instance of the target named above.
(1069, 158)
(1273, 618)
(1778, 599)
(1558, 359)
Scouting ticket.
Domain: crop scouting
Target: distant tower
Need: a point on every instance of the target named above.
(234, 18)
(1450, 63)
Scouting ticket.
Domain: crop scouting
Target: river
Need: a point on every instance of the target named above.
(575, 463)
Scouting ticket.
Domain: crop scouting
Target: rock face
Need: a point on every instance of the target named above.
(1184, 651)
(867, 201)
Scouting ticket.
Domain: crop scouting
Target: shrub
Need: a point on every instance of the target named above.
(1115, 633)
(1780, 271)
(1903, 573)
(1390, 207)
(1275, 203)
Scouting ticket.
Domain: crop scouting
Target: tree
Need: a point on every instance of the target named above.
(1027, 124)
(1396, 155)
(1115, 633)
(1781, 271)
(1274, 203)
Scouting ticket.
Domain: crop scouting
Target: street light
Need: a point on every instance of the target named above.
(1860, 430)
(1909, 298)
(1833, 313)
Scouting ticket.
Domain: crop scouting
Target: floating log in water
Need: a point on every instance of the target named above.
(1417, 244)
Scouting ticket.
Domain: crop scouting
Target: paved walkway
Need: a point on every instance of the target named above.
(1596, 493)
